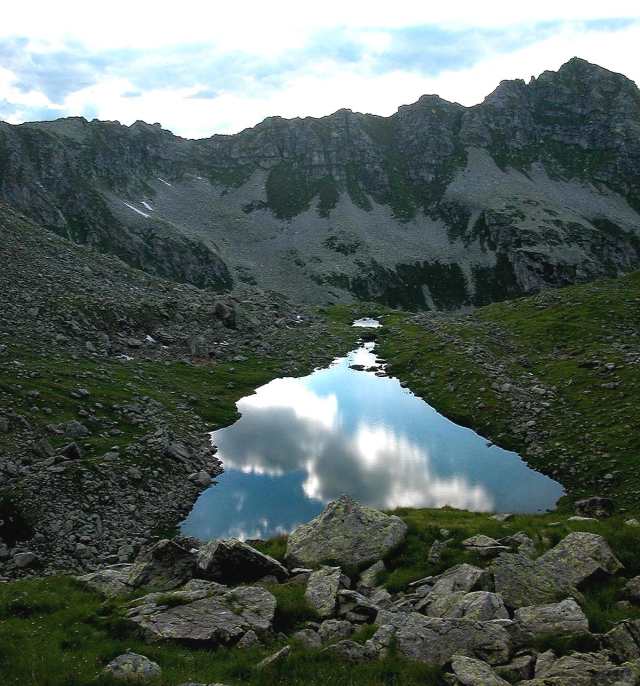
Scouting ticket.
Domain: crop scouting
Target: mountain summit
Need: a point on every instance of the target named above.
(437, 206)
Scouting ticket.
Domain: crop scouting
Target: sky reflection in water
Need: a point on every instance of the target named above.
(302, 442)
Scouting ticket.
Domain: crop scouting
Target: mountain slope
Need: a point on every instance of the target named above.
(437, 206)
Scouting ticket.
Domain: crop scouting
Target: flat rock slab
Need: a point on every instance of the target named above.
(218, 619)
(110, 582)
(322, 590)
(558, 619)
(346, 534)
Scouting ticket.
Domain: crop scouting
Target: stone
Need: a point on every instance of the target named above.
(379, 645)
(472, 672)
(279, 656)
(632, 589)
(198, 618)
(632, 522)
(249, 640)
(485, 546)
(584, 669)
(502, 517)
(335, 630)
(25, 559)
(558, 619)
(346, 534)
(4, 425)
(110, 582)
(597, 507)
(133, 667)
(435, 551)
(348, 650)
(308, 638)
(449, 587)
(354, 607)
(624, 640)
(72, 451)
(521, 667)
(232, 561)
(369, 577)
(322, 590)
(435, 640)
(165, 565)
(74, 429)
(479, 605)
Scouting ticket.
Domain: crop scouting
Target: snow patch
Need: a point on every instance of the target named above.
(146, 204)
(166, 183)
(135, 209)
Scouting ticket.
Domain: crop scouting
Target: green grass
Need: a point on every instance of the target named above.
(292, 610)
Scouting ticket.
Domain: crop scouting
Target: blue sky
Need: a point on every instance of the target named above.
(207, 67)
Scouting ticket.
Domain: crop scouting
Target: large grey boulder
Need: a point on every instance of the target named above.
(556, 574)
(199, 618)
(133, 667)
(479, 605)
(557, 619)
(346, 534)
(436, 640)
(472, 672)
(440, 593)
(335, 630)
(484, 546)
(584, 669)
(322, 590)
(232, 561)
(164, 565)
(110, 582)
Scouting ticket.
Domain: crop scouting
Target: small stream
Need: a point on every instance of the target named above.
(302, 442)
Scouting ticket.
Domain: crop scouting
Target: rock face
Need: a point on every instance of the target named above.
(233, 561)
(495, 200)
(346, 534)
(216, 616)
(133, 668)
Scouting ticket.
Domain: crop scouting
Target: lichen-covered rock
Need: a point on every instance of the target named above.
(479, 605)
(442, 592)
(349, 651)
(556, 619)
(308, 638)
(632, 589)
(596, 506)
(133, 667)
(436, 640)
(335, 630)
(472, 672)
(585, 669)
(624, 640)
(165, 565)
(278, 656)
(521, 667)
(322, 590)
(197, 618)
(233, 561)
(346, 534)
(108, 581)
(485, 546)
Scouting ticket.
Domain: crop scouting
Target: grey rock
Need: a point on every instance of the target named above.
(624, 640)
(558, 619)
(368, 578)
(597, 507)
(485, 546)
(472, 672)
(335, 630)
(345, 533)
(380, 643)
(478, 605)
(322, 590)
(165, 565)
(110, 582)
(25, 559)
(585, 669)
(632, 589)
(201, 619)
(249, 640)
(348, 650)
(74, 429)
(133, 667)
(521, 667)
(354, 607)
(233, 561)
(278, 656)
(308, 638)
(436, 640)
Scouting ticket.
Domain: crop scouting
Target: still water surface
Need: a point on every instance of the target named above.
(302, 442)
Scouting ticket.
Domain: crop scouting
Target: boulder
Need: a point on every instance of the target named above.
(322, 590)
(557, 619)
(308, 638)
(632, 589)
(369, 578)
(249, 640)
(598, 507)
(354, 607)
(436, 640)
(443, 591)
(133, 667)
(584, 669)
(349, 651)
(197, 618)
(478, 605)
(624, 640)
(472, 672)
(484, 546)
(110, 582)
(520, 667)
(346, 534)
(278, 656)
(164, 565)
(335, 630)
(25, 559)
(232, 561)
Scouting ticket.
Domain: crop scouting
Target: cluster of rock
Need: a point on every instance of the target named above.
(480, 623)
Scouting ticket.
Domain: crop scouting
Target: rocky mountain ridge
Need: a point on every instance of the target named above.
(438, 206)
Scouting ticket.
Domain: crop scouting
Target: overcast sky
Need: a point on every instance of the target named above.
(204, 67)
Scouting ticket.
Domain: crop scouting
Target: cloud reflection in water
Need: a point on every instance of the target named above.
(302, 442)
